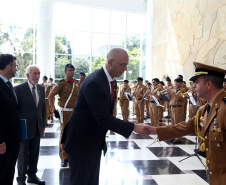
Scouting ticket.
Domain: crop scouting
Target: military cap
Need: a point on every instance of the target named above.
(127, 81)
(69, 66)
(168, 79)
(179, 80)
(82, 73)
(204, 69)
(156, 79)
(181, 76)
(161, 82)
(139, 79)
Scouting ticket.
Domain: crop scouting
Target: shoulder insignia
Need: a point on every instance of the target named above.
(224, 100)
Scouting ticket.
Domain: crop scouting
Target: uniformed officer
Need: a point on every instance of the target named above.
(176, 104)
(82, 77)
(209, 123)
(161, 101)
(124, 101)
(168, 86)
(153, 108)
(67, 89)
(48, 87)
(138, 95)
(146, 102)
(135, 84)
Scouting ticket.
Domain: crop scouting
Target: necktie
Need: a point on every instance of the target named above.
(112, 89)
(12, 90)
(34, 95)
(208, 109)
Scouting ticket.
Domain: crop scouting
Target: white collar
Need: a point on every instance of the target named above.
(107, 74)
(31, 85)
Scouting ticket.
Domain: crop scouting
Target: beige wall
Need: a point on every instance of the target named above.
(186, 31)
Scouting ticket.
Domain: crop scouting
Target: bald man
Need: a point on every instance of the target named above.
(92, 117)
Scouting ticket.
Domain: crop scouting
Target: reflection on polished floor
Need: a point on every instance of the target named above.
(132, 161)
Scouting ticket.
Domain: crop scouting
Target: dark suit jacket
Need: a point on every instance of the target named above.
(85, 132)
(28, 110)
(9, 118)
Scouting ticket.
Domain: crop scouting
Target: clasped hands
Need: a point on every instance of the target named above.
(144, 130)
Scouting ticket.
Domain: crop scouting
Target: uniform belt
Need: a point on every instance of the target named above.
(173, 106)
(124, 99)
(66, 109)
(152, 101)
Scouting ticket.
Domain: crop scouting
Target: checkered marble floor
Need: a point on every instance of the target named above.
(129, 161)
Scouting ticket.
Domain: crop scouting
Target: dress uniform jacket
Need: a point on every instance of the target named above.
(215, 138)
(125, 103)
(139, 106)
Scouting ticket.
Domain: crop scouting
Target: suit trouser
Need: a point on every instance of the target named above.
(62, 153)
(139, 107)
(125, 110)
(154, 114)
(177, 116)
(7, 164)
(28, 157)
(84, 171)
(146, 104)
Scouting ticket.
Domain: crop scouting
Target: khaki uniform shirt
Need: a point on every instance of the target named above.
(141, 90)
(215, 139)
(63, 88)
(175, 98)
(122, 95)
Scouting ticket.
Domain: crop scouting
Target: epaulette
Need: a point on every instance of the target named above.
(61, 80)
(224, 100)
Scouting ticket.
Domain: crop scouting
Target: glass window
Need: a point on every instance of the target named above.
(23, 60)
(6, 12)
(132, 69)
(134, 25)
(117, 41)
(63, 43)
(82, 43)
(100, 44)
(133, 46)
(118, 22)
(73, 17)
(82, 64)
(98, 62)
(6, 39)
(60, 62)
(101, 20)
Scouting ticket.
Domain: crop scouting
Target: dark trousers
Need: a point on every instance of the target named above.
(7, 164)
(84, 172)
(28, 157)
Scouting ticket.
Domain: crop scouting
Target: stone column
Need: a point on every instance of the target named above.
(149, 39)
(45, 38)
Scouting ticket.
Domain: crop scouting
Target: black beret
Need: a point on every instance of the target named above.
(81, 73)
(179, 80)
(156, 79)
(134, 81)
(161, 82)
(127, 81)
(69, 66)
(139, 79)
(168, 79)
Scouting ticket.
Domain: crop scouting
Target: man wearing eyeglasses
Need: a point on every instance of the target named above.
(85, 133)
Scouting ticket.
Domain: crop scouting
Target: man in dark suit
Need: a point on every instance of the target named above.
(31, 97)
(9, 123)
(85, 132)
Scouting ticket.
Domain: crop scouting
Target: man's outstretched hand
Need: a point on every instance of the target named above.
(151, 130)
(139, 128)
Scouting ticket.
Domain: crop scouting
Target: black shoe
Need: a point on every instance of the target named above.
(171, 140)
(34, 179)
(63, 163)
(51, 119)
(176, 142)
(21, 183)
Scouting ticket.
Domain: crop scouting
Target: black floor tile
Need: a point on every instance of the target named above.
(202, 174)
(122, 145)
(50, 135)
(167, 151)
(49, 150)
(53, 177)
(156, 167)
(184, 141)
(138, 136)
(130, 182)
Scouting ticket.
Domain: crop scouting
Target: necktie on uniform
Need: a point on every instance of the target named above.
(112, 89)
(208, 108)
(12, 90)
(34, 95)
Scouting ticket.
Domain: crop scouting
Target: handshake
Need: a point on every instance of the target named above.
(144, 130)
